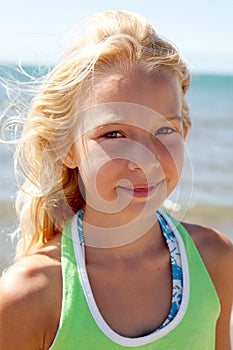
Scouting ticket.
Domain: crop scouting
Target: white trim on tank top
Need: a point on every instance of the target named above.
(105, 328)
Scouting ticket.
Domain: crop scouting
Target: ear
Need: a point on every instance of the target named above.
(71, 159)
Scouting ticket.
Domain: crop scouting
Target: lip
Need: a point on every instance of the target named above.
(143, 186)
(143, 192)
(140, 191)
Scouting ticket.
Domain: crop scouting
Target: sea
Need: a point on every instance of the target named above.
(205, 192)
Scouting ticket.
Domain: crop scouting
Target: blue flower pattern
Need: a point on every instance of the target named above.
(177, 275)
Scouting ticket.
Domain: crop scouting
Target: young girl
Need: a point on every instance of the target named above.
(100, 266)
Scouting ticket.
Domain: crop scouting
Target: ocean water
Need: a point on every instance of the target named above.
(211, 141)
(205, 194)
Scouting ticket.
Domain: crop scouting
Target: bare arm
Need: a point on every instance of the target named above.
(222, 276)
(28, 304)
(217, 254)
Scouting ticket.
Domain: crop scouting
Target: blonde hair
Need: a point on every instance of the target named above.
(115, 41)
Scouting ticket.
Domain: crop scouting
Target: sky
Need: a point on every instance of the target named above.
(32, 30)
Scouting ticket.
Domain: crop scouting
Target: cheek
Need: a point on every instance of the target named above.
(171, 157)
(99, 172)
(109, 174)
(106, 171)
(103, 161)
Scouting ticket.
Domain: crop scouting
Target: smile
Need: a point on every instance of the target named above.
(140, 192)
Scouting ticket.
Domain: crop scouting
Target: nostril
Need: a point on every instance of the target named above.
(144, 164)
(133, 166)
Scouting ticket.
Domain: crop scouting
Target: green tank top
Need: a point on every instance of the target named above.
(82, 326)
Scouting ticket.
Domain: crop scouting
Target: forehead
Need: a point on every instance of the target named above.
(160, 92)
(125, 113)
(138, 100)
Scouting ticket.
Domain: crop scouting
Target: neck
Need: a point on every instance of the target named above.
(121, 239)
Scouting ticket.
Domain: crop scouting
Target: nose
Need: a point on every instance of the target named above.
(142, 158)
(142, 165)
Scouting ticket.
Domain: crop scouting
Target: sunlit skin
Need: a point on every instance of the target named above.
(31, 290)
(157, 134)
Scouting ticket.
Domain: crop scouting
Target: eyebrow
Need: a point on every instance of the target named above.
(106, 125)
(174, 117)
(122, 121)
(119, 121)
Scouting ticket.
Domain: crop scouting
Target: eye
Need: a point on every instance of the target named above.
(113, 134)
(165, 131)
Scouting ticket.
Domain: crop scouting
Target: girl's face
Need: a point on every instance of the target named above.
(130, 153)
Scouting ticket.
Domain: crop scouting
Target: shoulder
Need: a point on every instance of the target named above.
(30, 299)
(215, 249)
(217, 254)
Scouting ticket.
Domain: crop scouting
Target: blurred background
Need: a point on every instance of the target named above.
(34, 35)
